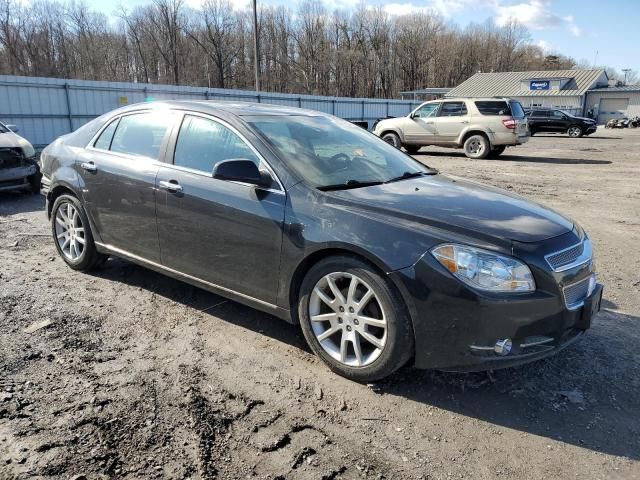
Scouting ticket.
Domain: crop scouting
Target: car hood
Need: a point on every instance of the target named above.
(451, 202)
(11, 140)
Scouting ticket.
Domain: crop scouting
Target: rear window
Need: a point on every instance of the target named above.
(494, 107)
(516, 110)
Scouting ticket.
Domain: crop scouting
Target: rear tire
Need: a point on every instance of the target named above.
(72, 234)
(477, 147)
(412, 149)
(392, 139)
(361, 339)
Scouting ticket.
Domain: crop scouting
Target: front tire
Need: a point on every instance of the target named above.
(354, 320)
(412, 149)
(477, 147)
(497, 151)
(392, 139)
(575, 132)
(72, 234)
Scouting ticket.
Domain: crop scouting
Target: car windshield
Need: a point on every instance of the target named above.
(329, 152)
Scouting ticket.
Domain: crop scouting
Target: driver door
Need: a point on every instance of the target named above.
(226, 233)
(421, 127)
(558, 121)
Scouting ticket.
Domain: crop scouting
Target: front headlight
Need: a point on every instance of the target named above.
(485, 270)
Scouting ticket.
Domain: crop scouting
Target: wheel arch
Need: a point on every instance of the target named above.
(316, 256)
(393, 130)
(59, 189)
(312, 259)
(473, 131)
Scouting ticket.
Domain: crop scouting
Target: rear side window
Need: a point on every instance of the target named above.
(493, 107)
(202, 143)
(540, 113)
(141, 134)
(104, 140)
(453, 109)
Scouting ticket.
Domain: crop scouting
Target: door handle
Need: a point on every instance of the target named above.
(464, 121)
(172, 186)
(428, 123)
(89, 166)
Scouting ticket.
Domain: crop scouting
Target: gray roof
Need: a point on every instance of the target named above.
(507, 84)
(626, 88)
(232, 107)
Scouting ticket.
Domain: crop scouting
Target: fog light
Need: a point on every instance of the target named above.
(503, 347)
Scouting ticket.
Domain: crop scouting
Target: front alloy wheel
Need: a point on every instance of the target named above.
(348, 319)
(354, 319)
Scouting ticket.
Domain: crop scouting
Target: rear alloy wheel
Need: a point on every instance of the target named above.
(574, 132)
(392, 139)
(353, 319)
(477, 147)
(72, 234)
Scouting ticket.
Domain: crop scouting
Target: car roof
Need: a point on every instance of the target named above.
(240, 109)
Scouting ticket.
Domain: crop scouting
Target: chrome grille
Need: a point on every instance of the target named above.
(565, 257)
(575, 294)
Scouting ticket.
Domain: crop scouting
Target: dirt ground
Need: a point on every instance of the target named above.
(135, 375)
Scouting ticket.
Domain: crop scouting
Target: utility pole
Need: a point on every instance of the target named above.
(626, 71)
(256, 67)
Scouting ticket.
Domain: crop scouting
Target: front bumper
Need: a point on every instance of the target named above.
(456, 327)
(591, 129)
(16, 177)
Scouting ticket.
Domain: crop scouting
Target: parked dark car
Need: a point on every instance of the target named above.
(558, 121)
(379, 258)
(18, 163)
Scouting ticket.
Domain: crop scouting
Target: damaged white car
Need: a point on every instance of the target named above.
(18, 163)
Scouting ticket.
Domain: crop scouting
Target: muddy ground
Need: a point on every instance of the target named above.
(135, 375)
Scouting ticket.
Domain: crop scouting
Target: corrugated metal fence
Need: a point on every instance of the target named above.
(45, 108)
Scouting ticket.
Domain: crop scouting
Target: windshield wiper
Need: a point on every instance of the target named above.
(407, 175)
(348, 185)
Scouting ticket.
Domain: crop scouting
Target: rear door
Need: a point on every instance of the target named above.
(421, 127)
(452, 118)
(226, 233)
(538, 120)
(118, 171)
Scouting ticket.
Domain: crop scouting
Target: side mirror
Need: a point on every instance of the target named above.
(13, 128)
(241, 170)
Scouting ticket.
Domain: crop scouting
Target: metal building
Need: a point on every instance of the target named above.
(45, 108)
(563, 89)
(614, 102)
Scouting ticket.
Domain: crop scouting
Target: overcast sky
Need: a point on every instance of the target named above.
(601, 31)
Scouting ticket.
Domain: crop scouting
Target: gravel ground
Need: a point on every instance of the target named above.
(126, 373)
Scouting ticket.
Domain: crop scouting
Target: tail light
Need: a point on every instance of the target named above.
(511, 123)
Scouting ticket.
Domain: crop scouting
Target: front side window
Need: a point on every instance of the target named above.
(453, 109)
(427, 110)
(328, 151)
(141, 134)
(203, 142)
(3, 129)
(558, 114)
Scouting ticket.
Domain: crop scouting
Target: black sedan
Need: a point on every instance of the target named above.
(305, 216)
(557, 121)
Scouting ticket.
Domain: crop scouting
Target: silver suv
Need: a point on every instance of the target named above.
(482, 126)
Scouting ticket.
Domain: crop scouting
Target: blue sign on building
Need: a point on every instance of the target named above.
(539, 85)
